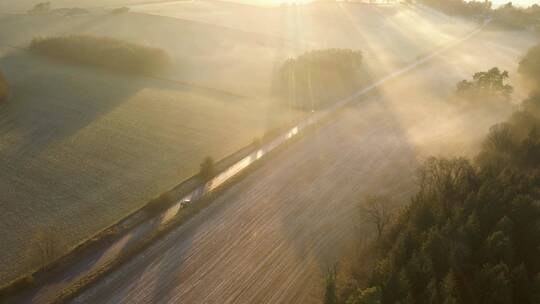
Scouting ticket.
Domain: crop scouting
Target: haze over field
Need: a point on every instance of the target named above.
(86, 138)
(292, 219)
(132, 138)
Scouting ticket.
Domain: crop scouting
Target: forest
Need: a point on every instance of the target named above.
(471, 233)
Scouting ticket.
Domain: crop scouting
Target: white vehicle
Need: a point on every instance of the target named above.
(184, 203)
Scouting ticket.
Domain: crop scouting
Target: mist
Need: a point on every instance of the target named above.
(84, 145)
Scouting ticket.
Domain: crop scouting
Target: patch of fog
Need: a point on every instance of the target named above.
(423, 102)
(264, 38)
(243, 45)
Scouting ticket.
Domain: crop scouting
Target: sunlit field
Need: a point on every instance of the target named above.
(81, 147)
(295, 216)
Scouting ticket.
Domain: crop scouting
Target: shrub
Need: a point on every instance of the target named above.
(257, 142)
(17, 286)
(103, 52)
(120, 10)
(72, 11)
(4, 89)
(529, 66)
(159, 204)
(39, 8)
(207, 171)
(317, 78)
(459, 7)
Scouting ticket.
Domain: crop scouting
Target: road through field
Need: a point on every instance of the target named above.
(265, 240)
(82, 147)
(268, 238)
(87, 265)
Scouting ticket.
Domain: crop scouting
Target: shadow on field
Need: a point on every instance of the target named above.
(365, 151)
(52, 101)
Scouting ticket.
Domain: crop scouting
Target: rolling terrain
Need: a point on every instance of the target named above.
(82, 147)
(269, 238)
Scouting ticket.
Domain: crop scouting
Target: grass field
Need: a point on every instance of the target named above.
(81, 147)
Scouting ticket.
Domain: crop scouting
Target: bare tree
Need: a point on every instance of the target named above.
(330, 277)
(47, 247)
(377, 210)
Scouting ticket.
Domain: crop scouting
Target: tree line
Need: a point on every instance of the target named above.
(459, 7)
(317, 78)
(507, 15)
(471, 233)
(103, 52)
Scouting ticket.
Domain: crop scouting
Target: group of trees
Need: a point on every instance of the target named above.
(315, 79)
(471, 233)
(459, 7)
(515, 17)
(489, 85)
(103, 52)
(46, 8)
(39, 8)
(165, 200)
(120, 10)
(507, 15)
